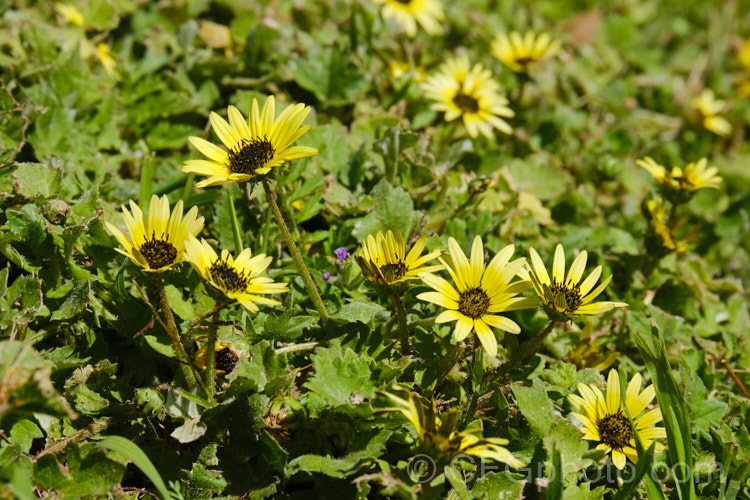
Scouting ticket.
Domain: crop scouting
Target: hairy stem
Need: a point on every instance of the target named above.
(188, 370)
(528, 349)
(402, 327)
(296, 257)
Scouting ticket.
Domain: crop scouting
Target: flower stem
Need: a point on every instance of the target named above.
(301, 266)
(186, 365)
(211, 362)
(235, 223)
(402, 327)
(527, 350)
(476, 382)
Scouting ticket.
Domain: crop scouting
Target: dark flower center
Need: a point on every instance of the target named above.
(250, 155)
(473, 303)
(226, 359)
(158, 252)
(227, 277)
(525, 61)
(393, 272)
(466, 103)
(615, 430)
(565, 298)
(404, 2)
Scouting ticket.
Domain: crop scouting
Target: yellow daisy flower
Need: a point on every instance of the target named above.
(69, 13)
(239, 279)
(660, 236)
(407, 13)
(604, 419)
(156, 244)
(383, 259)
(255, 146)
(225, 358)
(588, 352)
(438, 434)
(678, 181)
(567, 297)
(519, 53)
(469, 94)
(708, 108)
(483, 293)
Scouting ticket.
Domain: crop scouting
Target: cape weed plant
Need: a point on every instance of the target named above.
(374, 249)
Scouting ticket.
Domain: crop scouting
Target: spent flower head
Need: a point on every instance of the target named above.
(566, 297)
(384, 261)
(438, 435)
(408, 13)
(521, 53)
(605, 421)
(156, 243)
(225, 357)
(469, 93)
(481, 294)
(255, 146)
(237, 278)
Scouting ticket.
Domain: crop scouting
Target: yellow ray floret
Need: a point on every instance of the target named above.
(521, 53)
(408, 13)
(604, 419)
(566, 296)
(480, 293)
(239, 279)
(156, 244)
(383, 259)
(255, 146)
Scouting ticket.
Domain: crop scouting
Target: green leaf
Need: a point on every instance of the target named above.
(287, 327)
(208, 483)
(134, 454)
(339, 373)
(393, 210)
(365, 445)
(391, 147)
(504, 484)
(544, 180)
(35, 179)
(535, 406)
(366, 312)
(330, 75)
(673, 407)
(24, 432)
(26, 382)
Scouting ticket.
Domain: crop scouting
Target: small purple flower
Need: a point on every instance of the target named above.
(341, 254)
(326, 276)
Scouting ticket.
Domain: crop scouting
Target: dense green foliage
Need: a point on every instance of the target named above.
(93, 400)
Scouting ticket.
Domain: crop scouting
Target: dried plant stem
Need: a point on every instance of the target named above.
(296, 257)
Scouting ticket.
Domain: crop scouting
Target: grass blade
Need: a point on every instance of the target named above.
(132, 452)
